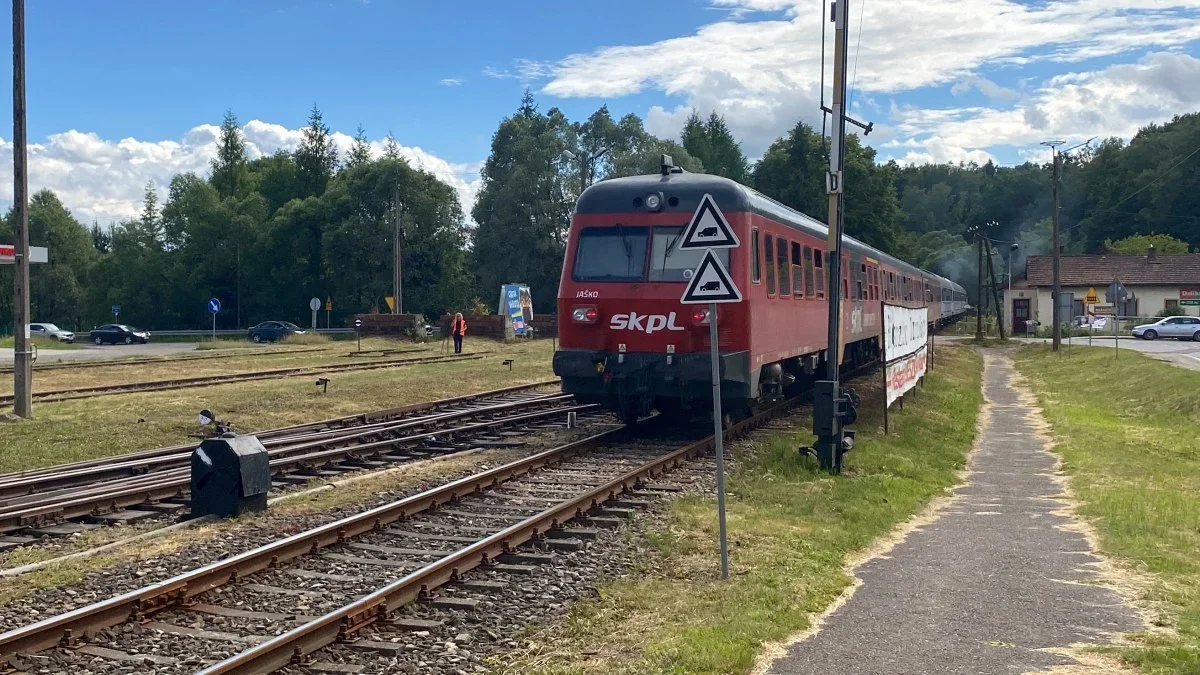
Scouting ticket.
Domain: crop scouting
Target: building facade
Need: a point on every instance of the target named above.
(1154, 285)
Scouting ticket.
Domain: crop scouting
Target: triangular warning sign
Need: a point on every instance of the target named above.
(710, 283)
(708, 228)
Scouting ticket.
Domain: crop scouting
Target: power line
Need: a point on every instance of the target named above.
(1161, 175)
(862, 8)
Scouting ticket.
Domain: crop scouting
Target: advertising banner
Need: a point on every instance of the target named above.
(905, 336)
(517, 303)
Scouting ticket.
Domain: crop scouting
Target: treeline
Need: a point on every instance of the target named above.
(268, 234)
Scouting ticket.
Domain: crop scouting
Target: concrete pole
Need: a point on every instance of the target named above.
(22, 361)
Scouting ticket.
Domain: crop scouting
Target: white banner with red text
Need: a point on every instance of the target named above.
(905, 339)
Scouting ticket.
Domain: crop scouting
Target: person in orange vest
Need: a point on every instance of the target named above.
(458, 328)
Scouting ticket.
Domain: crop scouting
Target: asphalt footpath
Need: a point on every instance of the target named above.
(994, 584)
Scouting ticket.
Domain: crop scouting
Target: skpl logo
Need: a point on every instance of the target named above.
(648, 323)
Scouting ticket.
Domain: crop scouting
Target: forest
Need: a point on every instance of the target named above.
(265, 235)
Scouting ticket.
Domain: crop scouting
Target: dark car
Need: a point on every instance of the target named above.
(273, 331)
(114, 333)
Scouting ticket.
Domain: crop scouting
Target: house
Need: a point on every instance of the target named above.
(1154, 285)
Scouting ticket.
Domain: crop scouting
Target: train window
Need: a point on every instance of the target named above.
(668, 263)
(891, 286)
(755, 264)
(808, 270)
(797, 271)
(610, 254)
(769, 258)
(845, 279)
(862, 281)
(818, 259)
(785, 270)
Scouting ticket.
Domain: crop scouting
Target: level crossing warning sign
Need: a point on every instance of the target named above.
(710, 283)
(708, 228)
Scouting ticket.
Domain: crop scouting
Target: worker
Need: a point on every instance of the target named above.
(458, 328)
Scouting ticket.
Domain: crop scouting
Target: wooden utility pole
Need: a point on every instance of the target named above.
(979, 287)
(397, 269)
(22, 361)
(1057, 261)
(995, 291)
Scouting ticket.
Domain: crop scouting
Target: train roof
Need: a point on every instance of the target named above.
(682, 193)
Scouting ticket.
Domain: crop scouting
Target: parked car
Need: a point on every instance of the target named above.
(114, 333)
(51, 332)
(1178, 327)
(273, 331)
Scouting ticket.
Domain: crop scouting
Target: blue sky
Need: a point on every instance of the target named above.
(121, 93)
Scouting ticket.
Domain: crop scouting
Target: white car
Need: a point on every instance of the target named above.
(50, 332)
(1179, 327)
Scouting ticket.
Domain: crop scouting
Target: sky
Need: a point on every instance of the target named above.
(130, 92)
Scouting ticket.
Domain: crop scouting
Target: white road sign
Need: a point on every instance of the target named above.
(314, 304)
(708, 228)
(710, 283)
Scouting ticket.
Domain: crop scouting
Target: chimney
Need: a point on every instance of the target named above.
(1152, 254)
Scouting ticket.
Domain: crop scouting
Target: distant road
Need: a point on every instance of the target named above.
(89, 351)
(1182, 354)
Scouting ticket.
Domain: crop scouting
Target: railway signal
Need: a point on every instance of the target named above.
(711, 284)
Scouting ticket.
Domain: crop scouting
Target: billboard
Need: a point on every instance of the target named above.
(905, 338)
(517, 303)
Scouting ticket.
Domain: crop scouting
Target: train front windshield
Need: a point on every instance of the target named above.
(621, 254)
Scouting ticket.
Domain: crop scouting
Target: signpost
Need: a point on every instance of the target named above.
(314, 305)
(711, 284)
(357, 334)
(328, 309)
(116, 310)
(905, 352)
(1189, 297)
(214, 306)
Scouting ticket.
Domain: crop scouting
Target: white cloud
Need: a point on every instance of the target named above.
(763, 75)
(450, 82)
(104, 179)
(1114, 101)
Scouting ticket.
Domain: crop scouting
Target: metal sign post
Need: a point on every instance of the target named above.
(314, 305)
(214, 306)
(328, 311)
(116, 312)
(357, 333)
(711, 284)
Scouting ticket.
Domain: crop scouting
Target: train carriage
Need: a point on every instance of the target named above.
(627, 342)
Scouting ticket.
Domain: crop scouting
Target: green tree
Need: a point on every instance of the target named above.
(229, 174)
(637, 152)
(714, 145)
(316, 158)
(1139, 244)
(524, 205)
(360, 150)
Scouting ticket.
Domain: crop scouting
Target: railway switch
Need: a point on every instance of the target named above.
(231, 475)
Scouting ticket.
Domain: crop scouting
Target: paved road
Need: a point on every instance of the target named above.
(1185, 354)
(89, 351)
(988, 587)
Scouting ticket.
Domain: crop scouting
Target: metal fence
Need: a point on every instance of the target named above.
(241, 332)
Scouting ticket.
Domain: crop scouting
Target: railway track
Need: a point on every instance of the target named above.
(209, 380)
(154, 482)
(113, 363)
(244, 614)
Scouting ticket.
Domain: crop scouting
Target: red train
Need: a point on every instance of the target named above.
(627, 342)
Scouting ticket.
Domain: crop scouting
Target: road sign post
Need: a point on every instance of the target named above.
(328, 310)
(314, 305)
(357, 333)
(214, 306)
(116, 311)
(711, 284)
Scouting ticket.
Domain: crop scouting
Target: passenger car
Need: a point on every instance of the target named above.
(272, 331)
(1179, 327)
(114, 333)
(51, 332)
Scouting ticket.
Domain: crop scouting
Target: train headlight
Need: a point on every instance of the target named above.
(585, 314)
(653, 201)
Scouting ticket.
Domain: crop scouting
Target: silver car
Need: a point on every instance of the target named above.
(1178, 327)
(50, 332)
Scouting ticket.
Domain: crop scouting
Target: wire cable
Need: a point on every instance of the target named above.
(862, 8)
(821, 20)
(1161, 175)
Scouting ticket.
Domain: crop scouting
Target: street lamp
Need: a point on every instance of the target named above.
(585, 169)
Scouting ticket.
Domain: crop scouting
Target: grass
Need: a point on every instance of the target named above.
(87, 428)
(40, 343)
(1126, 428)
(792, 531)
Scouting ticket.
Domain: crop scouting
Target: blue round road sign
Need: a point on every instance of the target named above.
(214, 305)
